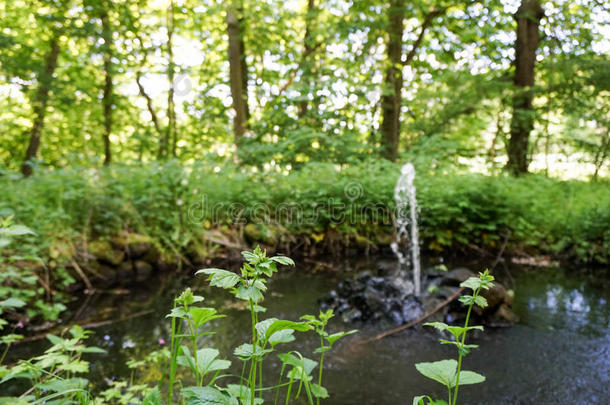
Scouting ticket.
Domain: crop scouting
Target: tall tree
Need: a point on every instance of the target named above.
(528, 18)
(45, 79)
(107, 98)
(238, 75)
(391, 99)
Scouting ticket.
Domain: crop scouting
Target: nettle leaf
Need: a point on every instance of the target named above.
(278, 325)
(286, 261)
(470, 377)
(249, 294)
(177, 312)
(207, 396)
(444, 371)
(207, 361)
(16, 230)
(247, 351)
(249, 256)
(282, 336)
(58, 385)
(153, 397)
(319, 391)
(202, 316)
(301, 367)
(242, 392)
(221, 278)
(480, 301)
(331, 339)
(473, 283)
(12, 303)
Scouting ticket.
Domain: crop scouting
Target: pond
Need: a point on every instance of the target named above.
(558, 353)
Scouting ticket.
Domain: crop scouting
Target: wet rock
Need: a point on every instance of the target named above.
(143, 269)
(373, 298)
(457, 276)
(102, 250)
(503, 316)
(412, 309)
(352, 316)
(396, 317)
(261, 233)
(401, 284)
(135, 245)
(495, 296)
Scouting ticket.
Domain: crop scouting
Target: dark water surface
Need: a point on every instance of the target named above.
(559, 353)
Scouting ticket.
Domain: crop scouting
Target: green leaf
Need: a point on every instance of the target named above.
(207, 361)
(286, 261)
(247, 351)
(249, 294)
(242, 392)
(278, 325)
(12, 303)
(318, 391)
(207, 396)
(16, 230)
(153, 397)
(221, 278)
(442, 371)
(202, 316)
(331, 339)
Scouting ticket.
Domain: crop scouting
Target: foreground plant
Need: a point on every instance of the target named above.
(205, 366)
(449, 372)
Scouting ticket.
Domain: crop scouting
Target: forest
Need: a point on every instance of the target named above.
(148, 145)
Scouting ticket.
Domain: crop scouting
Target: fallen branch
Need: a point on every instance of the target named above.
(415, 322)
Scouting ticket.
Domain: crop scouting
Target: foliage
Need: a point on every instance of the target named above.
(55, 376)
(449, 372)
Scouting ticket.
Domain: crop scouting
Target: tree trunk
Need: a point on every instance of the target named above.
(308, 48)
(170, 133)
(237, 74)
(391, 99)
(108, 95)
(40, 105)
(528, 18)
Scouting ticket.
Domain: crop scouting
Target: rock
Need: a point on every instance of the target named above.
(261, 233)
(143, 269)
(457, 276)
(134, 244)
(374, 298)
(352, 316)
(102, 250)
(412, 309)
(495, 296)
(504, 316)
(402, 285)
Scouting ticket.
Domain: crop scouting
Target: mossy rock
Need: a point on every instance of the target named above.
(261, 233)
(103, 251)
(135, 244)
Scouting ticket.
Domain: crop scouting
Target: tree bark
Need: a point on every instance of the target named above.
(391, 99)
(107, 99)
(41, 99)
(308, 48)
(528, 18)
(170, 133)
(237, 74)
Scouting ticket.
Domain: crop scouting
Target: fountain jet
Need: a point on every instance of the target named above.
(406, 220)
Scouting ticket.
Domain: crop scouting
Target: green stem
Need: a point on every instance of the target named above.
(252, 374)
(460, 356)
(321, 366)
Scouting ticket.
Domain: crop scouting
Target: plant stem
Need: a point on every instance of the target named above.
(321, 366)
(460, 356)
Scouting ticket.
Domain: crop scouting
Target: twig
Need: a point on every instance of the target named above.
(82, 275)
(501, 252)
(415, 322)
